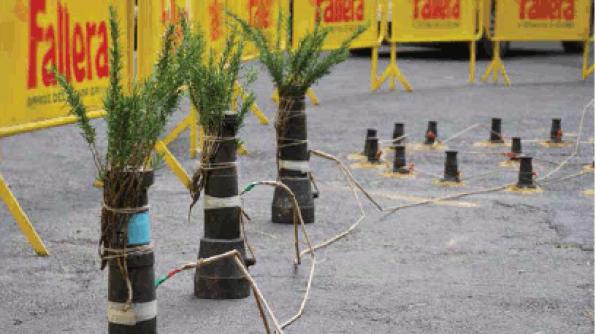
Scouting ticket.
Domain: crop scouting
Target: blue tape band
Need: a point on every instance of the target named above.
(139, 229)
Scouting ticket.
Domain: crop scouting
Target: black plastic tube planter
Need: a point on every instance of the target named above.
(495, 131)
(526, 173)
(222, 279)
(133, 230)
(293, 163)
(556, 134)
(398, 132)
(370, 133)
(399, 161)
(516, 147)
(372, 148)
(451, 169)
(431, 133)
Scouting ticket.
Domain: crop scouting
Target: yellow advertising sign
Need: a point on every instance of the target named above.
(342, 16)
(264, 15)
(153, 16)
(542, 20)
(434, 20)
(72, 35)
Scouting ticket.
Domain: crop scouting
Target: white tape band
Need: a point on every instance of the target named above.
(137, 312)
(301, 166)
(221, 202)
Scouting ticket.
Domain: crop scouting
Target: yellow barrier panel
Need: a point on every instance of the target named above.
(263, 15)
(343, 17)
(36, 35)
(537, 20)
(421, 21)
(153, 16)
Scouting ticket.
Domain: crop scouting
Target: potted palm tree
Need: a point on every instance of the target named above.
(212, 79)
(293, 73)
(134, 120)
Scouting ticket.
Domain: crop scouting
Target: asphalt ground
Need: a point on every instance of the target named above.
(501, 262)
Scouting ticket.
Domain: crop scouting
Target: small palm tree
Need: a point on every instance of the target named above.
(293, 73)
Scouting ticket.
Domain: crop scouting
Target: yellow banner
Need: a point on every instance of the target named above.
(342, 16)
(72, 35)
(434, 20)
(542, 20)
(264, 15)
(153, 16)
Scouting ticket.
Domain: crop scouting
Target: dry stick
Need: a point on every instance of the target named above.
(421, 171)
(255, 288)
(297, 214)
(492, 132)
(354, 186)
(394, 140)
(446, 198)
(257, 292)
(348, 174)
(563, 178)
(577, 142)
(462, 132)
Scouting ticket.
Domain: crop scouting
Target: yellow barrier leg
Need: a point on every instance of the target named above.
(392, 73)
(393, 64)
(275, 96)
(173, 164)
(193, 126)
(586, 71)
(185, 123)
(313, 98)
(374, 63)
(21, 218)
(472, 77)
(241, 150)
(399, 75)
(254, 108)
(496, 66)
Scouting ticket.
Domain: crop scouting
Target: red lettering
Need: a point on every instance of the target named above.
(60, 41)
(101, 59)
(78, 53)
(91, 30)
(546, 10)
(436, 9)
(67, 43)
(49, 59)
(35, 37)
(336, 11)
(71, 51)
(259, 13)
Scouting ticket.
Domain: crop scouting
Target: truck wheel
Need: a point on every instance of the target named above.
(485, 48)
(572, 47)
